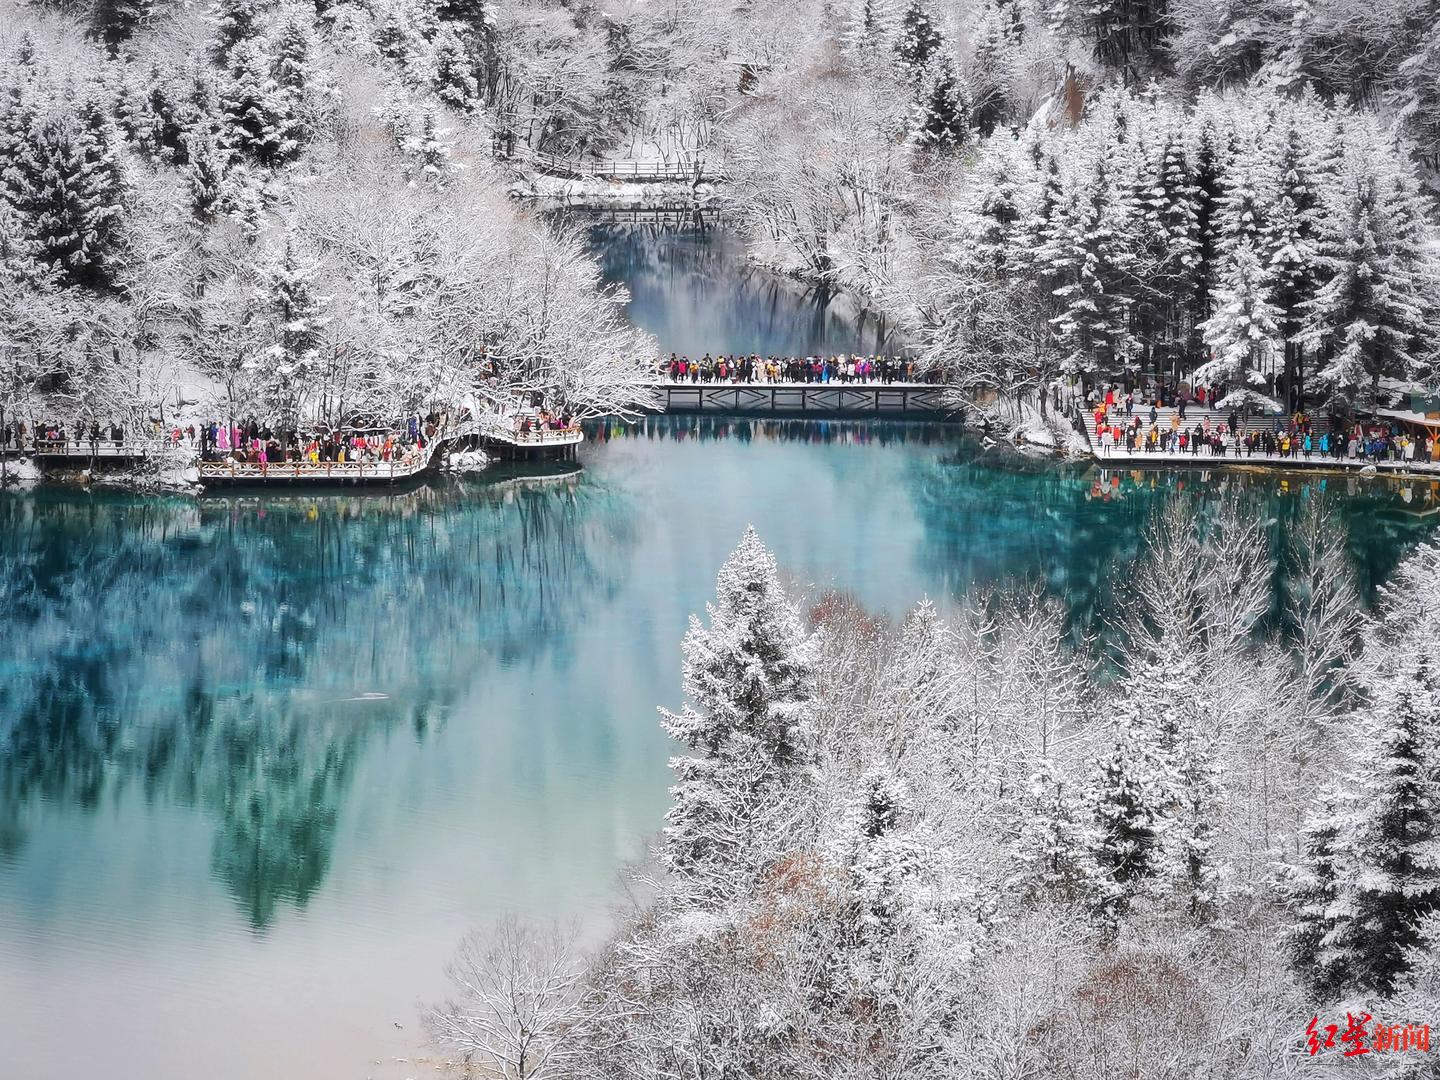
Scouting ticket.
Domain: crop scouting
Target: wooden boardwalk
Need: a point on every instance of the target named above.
(1237, 457)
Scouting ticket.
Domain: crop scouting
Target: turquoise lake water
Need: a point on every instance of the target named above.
(264, 759)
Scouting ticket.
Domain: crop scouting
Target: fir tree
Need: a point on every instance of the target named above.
(1125, 839)
(747, 682)
(237, 22)
(69, 188)
(1392, 838)
(943, 124)
(1313, 890)
(204, 177)
(919, 40)
(1292, 248)
(260, 123)
(1244, 333)
(283, 371)
(455, 83)
(871, 26)
(1129, 35)
(1368, 316)
(1051, 850)
(1089, 255)
(1209, 191)
(1177, 266)
(113, 22)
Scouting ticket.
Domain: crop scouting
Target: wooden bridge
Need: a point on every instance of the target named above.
(621, 170)
(902, 399)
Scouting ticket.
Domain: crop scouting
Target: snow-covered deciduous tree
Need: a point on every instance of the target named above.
(519, 1003)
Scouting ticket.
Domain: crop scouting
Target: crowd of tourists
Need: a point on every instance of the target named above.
(258, 444)
(847, 369)
(54, 435)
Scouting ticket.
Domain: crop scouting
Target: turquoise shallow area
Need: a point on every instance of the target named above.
(264, 758)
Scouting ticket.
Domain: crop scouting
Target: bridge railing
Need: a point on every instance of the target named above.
(623, 168)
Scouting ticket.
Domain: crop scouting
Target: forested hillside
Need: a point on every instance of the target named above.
(962, 848)
(298, 205)
(260, 211)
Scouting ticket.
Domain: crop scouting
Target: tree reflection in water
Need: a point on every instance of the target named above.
(238, 653)
(991, 516)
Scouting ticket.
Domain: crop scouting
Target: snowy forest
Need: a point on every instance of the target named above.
(299, 209)
(969, 846)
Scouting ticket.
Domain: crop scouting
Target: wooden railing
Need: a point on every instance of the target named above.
(68, 448)
(623, 169)
(536, 436)
(315, 470)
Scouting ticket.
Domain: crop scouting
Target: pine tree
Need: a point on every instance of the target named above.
(919, 40)
(943, 123)
(455, 83)
(1209, 192)
(1292, 247)
(871, 26)
(989, 72)
(747, 680)
(237, 22)
(1177, 268)
(1244, 333)
(159, 133)
(113, 22)
(69, 187)
(1392, 837)
(1312, 888)
(204, 177)
(1050, 852)
(1129, 35)
(429, 151)
(1089, 255)
(1368, 316)
(1125, 841)
(1187, 844)
(260, 123)
(283, 372)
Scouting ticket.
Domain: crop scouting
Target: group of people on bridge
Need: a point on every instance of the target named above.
(772, 370)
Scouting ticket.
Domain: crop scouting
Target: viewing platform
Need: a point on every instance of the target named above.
(512, 442)
(1321, 423)
(893, 399)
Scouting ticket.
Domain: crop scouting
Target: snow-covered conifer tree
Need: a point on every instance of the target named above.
(943, 115)
(283, 373)
(1244, 334)
(919, 40)
(1051, 850)
(1367, 318)
(1123, 803)
(1312, 887)
(1386, 840)
(747, 680)
(236, 22)
(114, 21)
(261, 123)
